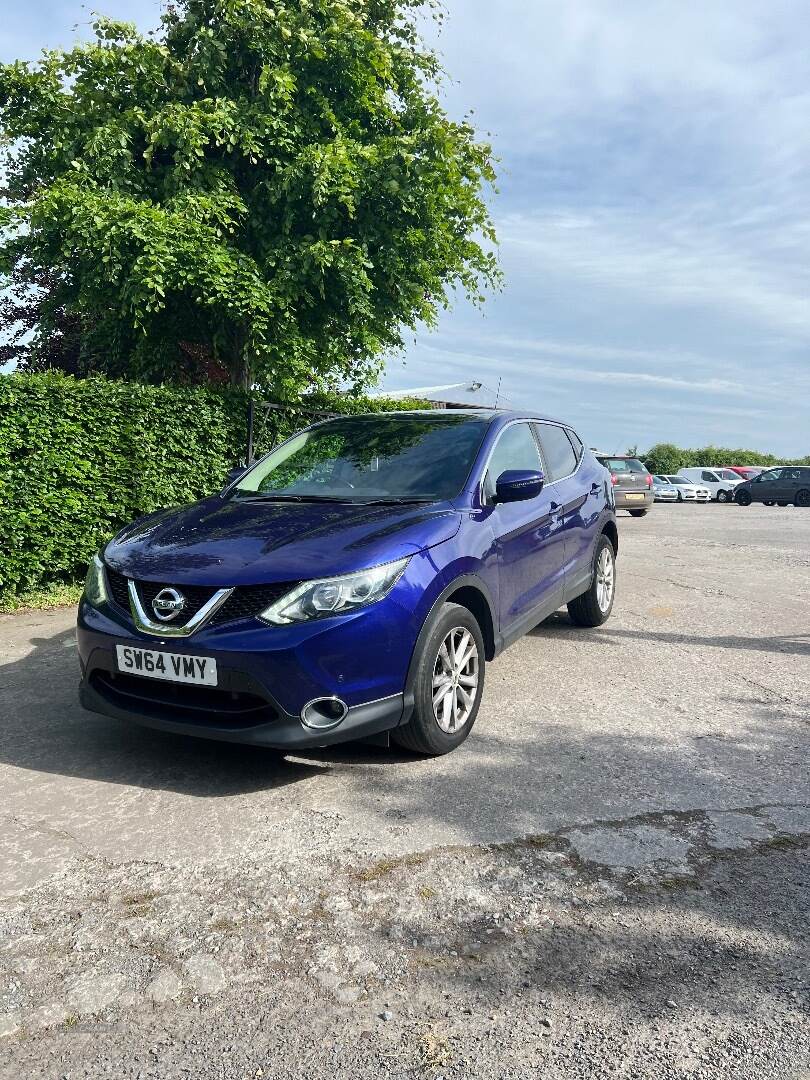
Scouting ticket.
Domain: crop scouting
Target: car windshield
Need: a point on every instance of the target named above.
(368, 459)
(618, 465)
(727, 474)
(679, 480)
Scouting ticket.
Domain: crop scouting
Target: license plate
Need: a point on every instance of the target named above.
(172, 667)
(634, 496)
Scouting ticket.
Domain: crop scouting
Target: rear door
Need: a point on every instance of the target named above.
(529, 536)
(562, 454)
(789, 483)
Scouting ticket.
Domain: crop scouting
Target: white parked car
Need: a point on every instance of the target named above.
(720, 482)
(688, 491)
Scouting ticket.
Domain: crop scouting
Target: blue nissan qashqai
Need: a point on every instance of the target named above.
(352, 583)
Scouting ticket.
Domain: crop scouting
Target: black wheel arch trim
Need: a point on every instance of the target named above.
(465, 581)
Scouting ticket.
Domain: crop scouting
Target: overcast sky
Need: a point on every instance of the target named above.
(653, 212)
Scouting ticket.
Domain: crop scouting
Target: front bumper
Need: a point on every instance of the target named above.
(277, 729)
(266, 675)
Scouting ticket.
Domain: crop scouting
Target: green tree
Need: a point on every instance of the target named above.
(270, 187)
(665, 458)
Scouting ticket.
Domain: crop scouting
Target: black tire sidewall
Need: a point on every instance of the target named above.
(802, 498)
(744, 498)
(447, 618)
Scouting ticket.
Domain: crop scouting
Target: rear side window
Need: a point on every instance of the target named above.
(557, 450)
(515, 449)
(576, 442)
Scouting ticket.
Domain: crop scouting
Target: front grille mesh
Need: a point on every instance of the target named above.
(245, 602)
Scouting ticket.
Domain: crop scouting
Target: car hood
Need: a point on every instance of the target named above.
(225, 542)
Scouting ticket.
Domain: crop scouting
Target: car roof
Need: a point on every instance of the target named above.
(439, 415)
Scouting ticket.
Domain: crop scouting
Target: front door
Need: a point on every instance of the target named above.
(766, 487)
(529, 536)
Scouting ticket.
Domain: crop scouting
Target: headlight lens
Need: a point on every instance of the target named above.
(95, 587)
(333, 596)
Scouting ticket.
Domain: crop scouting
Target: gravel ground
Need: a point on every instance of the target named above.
(610, 879)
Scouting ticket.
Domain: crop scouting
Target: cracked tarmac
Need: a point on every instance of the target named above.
(608, 879)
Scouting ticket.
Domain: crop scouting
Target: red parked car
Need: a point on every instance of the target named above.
(747, 472)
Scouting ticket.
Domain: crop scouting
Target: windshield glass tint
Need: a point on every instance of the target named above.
(360, 459)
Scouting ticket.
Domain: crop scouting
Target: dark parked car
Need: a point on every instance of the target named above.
(788, 484)
(632, 483)
(351, 583)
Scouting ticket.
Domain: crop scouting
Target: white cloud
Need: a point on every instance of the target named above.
(661, 260)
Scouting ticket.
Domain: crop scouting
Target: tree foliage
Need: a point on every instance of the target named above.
(667, 458)
(268, 187)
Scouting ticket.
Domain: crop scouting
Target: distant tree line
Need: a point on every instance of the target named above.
(668, 458)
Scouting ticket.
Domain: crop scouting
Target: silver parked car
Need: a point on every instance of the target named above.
(663, 490)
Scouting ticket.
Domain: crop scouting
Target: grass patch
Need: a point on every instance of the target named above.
(139, 904)
(678, 881)
(384, 867)
(436, 1052)
(780, 842)
(49, 596)
(426, 892)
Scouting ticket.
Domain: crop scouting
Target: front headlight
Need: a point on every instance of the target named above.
(95, 587)
(333, 596)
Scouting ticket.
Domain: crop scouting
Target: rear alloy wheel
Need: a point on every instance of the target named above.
(743, 498)
(803, 497)
(594, 606)
(637, 513)
(449, 684)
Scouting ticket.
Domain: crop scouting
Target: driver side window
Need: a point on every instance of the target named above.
(515, 449)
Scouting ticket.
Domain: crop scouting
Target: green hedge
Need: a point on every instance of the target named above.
(668, 458)
(81, 457)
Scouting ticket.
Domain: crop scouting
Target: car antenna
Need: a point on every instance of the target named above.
(498, 391)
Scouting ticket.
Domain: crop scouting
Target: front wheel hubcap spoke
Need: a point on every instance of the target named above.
(455, 680)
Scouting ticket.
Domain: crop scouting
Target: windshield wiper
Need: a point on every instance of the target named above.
(261, 496)
(394, 502)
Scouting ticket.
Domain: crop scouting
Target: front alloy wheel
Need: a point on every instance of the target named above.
(448, 683)
(455, 680)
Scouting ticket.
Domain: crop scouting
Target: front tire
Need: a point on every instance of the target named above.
(594, 606)
(449, 684)
(744, 498)
(722, 496)
(803, 497)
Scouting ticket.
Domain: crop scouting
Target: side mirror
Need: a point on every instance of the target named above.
(519, 485)
(234, 475)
